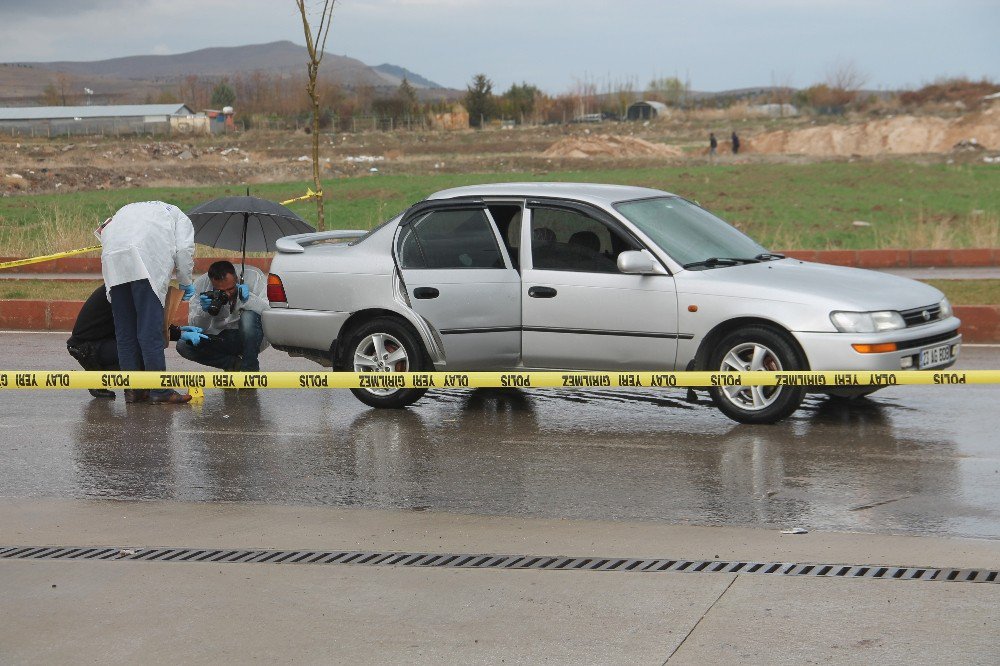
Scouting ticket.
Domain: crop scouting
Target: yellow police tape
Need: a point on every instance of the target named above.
(94, 248)
(79, 379)
(48, 257)
(308, 195)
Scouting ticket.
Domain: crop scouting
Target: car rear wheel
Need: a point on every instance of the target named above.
(750, 349)
(385, 345)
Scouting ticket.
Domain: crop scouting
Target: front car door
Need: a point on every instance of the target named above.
(459, 277)
(578, 310)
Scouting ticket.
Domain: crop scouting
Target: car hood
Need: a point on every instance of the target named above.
(794, 281)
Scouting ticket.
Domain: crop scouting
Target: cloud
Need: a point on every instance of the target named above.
(13, 9)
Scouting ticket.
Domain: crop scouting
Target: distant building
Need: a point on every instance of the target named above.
(774, 110)
(221, 120)
(115, 119)
(646, 111)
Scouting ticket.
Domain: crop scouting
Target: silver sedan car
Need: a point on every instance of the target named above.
(569, 276)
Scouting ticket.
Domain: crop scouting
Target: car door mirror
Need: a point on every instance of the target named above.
(636, 262)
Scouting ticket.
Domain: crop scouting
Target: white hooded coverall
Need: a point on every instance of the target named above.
(147, 240)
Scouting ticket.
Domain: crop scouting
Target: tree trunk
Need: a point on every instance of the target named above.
(320, 220)
(316, 48)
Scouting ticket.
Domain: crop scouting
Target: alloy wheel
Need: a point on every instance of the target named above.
(381, 352)
(751, 356)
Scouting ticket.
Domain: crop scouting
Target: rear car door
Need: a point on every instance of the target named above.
(578, 310)
(459, 277)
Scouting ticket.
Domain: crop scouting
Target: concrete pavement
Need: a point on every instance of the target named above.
(118, 611)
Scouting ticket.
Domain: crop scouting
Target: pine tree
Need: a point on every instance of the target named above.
(479, 101)
(223, 95)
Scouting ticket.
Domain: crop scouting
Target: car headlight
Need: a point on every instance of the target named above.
(946, 310)
(867, 322)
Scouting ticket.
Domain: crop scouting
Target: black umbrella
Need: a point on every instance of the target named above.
(244, 224)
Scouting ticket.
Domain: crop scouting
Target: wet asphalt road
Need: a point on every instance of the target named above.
(909, 460)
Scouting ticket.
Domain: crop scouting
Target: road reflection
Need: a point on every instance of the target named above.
(583, 454)
(125, 453)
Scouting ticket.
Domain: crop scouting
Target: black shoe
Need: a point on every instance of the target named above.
(102, 393)
(136, 395)
(171, 397)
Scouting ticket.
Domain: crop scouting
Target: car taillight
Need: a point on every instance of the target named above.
(275, 290)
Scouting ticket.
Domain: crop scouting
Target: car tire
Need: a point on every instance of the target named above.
(402, 351)
(756, 348)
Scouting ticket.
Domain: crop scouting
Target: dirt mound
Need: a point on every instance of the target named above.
(608, 145)
(901, 135)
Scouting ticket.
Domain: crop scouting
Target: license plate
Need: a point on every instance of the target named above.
(935, 356)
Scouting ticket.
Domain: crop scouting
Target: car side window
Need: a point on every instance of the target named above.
(449, 239)
(566, 240)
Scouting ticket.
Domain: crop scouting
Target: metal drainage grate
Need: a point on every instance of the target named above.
(482, 561)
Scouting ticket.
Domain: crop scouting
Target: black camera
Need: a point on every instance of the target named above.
(218, 298)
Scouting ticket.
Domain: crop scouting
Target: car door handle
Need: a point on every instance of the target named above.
(542, 292)
(423, 293)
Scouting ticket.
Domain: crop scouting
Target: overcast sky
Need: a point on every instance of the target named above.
(554, 44)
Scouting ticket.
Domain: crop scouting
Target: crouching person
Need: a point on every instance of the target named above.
(229, 312)
(93, 341)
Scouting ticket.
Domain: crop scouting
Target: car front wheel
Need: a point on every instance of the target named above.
(385, 345)
(756, 348)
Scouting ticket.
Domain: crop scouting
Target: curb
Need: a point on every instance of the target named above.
(980, 323)
(20, 315)
(963, 258)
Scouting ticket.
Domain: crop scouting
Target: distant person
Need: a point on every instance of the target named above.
(713, 144)
(736, 143)
(141, 246)
(233, 323)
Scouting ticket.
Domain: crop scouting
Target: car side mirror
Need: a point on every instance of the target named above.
(636, 262)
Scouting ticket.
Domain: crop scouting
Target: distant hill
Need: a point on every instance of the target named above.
(24, 79)
(397, 74)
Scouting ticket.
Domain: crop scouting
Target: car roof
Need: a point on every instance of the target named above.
(589, 192)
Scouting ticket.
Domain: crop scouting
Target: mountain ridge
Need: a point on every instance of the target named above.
(281, 57)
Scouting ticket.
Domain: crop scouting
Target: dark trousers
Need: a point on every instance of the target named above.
(232, 349)
(138, 327)
(96, 355)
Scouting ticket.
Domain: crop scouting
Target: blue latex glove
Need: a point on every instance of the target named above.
(193, 337)
(188, 290)
(193, 329)
(205, 302)
(243, 291)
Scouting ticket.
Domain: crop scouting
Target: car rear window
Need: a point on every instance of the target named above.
(450, 239)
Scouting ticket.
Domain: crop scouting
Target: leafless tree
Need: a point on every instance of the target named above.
(64, 83)
(845, 75)
(316, 46)
(781, 90)
(585, 92)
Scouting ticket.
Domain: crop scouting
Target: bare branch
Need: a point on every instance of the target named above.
(324, 27)
(316, 46)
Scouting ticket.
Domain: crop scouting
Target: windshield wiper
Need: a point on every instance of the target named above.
(769, 256)
(712, 262)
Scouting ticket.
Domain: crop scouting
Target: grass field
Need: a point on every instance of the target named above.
(959, 292)
(784, 206)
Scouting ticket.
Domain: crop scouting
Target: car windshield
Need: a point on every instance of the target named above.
(690, 234)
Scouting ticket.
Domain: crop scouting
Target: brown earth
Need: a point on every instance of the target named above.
(899, 135)
(609, 145)
(59, 164)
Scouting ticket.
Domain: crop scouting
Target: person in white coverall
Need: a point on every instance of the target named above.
(141, 246)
